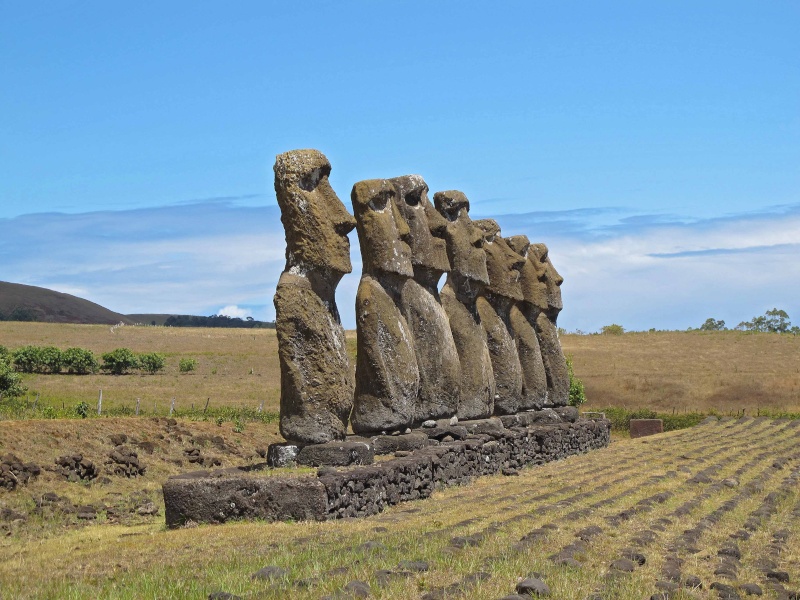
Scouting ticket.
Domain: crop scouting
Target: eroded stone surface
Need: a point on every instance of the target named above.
(387, 375)
(494, 308)
(459, 296)
(316, 379)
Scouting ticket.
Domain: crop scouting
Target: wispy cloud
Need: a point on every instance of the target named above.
(219, 257)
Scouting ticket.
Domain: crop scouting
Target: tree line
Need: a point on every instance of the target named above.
(773, 321)
(216, 321)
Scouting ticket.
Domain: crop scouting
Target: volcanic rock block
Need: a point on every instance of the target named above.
(75, 468)
(336, 454)
(216, 500)
(644, 427)
(122, 460)
(459, 300)
(14, 472)
(316, 380)
(282, 454)
(387, 375)
(388, 444)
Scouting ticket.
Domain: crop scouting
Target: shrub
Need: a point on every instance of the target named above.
(152, 362)
(80, 361)
(187, 364)
(82, 410)
(51, 360)
(5, 355)
(10, 381)
(119, 361)
(577, 391)
(26, 359)
(612, 329)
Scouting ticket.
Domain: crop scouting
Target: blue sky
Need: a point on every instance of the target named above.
(653, 146)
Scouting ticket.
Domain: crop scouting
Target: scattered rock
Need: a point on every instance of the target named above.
(14, 472)
(223, 596)
(416, 566)
(624, 565)
(531, 586)
(76, 468)
(125, 462)
(270, 573)
(751, 589)
(358, 589)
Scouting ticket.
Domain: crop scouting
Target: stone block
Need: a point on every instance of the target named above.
(644, 427)
(388, 444)
(220, 499)
(282, 454)
(336, 454)
(490, 426)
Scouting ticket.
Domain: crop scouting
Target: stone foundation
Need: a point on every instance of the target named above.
(367, 490)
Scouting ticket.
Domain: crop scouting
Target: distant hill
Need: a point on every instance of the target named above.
(20, 302)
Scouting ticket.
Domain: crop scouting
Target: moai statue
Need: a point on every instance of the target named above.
(387, 377)
(460, 293)
(435, 349)
(523, 321)
(494, 308)
(548, 301)
(316, 379)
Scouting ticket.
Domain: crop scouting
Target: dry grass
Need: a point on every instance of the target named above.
(664, 371)
(597, 489)
(689, 371)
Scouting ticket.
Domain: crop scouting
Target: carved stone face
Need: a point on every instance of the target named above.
(549, 276)
(529, 282)
(502, 262)
(382, 232)
(428, 247)
(315, 220)
(464, 238)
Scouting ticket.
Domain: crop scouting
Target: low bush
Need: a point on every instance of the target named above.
(577, 391)
(187, 364)
(79, 361)
(120, 361)
(151, 362)
(10, 381)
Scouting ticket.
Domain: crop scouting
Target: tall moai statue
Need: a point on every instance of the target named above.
(548, 301)
(494, 308)
(387, 376)
(435, 349)
(316, 378)
(460, 293)
(523, 322)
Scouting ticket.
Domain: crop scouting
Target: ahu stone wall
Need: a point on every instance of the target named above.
(361, 491)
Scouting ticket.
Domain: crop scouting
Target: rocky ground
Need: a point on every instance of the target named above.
(70, 473)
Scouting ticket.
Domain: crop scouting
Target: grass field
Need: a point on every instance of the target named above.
(667, 371)
(678, 501)
(674, 500)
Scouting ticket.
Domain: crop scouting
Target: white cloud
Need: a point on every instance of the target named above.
(641, 271)
(234, 312)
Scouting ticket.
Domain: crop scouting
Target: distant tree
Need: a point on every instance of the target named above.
(773, 321)
(612, 329)
(713, 325)
(22, 314)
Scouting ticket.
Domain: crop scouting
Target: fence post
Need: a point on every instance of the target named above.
(206, 408)
(137, 406)
(171, 407)
(261, 407)
(100, 403)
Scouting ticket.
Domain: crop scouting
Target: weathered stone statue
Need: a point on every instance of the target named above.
(522, 320)
(459, 295)
(548, 301)
(387, 376)
(316, 379)
(494, 308)
(434, 347)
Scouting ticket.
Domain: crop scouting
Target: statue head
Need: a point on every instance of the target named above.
(532, 288)
(382, 232)
(315, 220)
(548, 275)
(427, 227)
(464, 238)
(502, 262)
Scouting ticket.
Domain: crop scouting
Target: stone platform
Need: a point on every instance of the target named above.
(360, 491)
